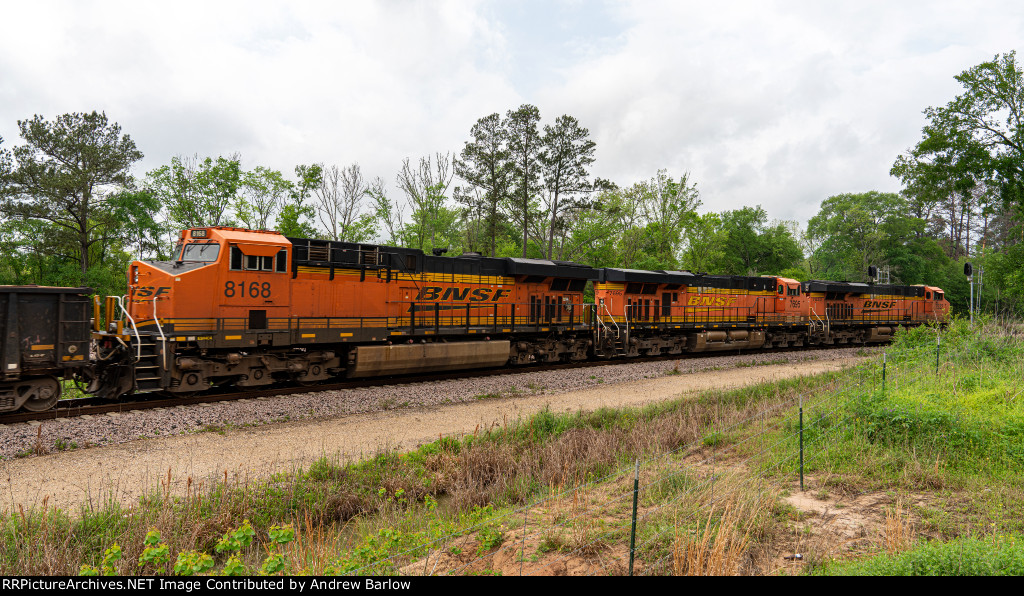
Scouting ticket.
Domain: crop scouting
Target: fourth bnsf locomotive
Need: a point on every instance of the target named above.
(249, 308)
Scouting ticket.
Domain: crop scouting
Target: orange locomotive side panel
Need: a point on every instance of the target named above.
(232, 280)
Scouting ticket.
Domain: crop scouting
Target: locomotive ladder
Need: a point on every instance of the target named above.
(148, 372)
(602, 329)
(819, 324)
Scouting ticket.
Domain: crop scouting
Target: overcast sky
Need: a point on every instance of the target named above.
(781, 104)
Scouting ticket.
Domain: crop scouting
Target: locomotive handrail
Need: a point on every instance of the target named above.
(156, 320)
(618, 332)
(138, 338)
(826, 325)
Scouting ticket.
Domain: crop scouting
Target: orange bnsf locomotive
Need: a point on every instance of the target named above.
(249, 308)
(654, 312)
(245, 308)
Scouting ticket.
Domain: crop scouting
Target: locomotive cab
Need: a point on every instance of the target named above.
(790, 299)
(935, 305)
(220, 278)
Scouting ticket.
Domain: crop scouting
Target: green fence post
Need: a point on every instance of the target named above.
(632, 533)
(884, 355)
(522, 554)
(801, 443)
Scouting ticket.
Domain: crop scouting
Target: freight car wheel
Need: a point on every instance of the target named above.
(43, 394)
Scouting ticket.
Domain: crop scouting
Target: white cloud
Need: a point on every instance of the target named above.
(782, 104)
(774, 103)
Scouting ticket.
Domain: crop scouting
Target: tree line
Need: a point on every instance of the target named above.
(73, 213)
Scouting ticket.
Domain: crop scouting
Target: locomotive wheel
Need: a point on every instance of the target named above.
(304, 382)
(43, 394)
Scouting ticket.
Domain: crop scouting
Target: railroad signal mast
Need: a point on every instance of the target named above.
(879, 275)
(969, 272)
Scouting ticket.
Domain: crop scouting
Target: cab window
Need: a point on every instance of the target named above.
(200, 252)
(243, 262)
(781, 289)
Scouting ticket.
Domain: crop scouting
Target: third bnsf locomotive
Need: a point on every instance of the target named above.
(249, 308)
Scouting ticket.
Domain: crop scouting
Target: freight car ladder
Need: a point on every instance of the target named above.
(147, 367)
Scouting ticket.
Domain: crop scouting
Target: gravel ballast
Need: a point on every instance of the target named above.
(20, 440)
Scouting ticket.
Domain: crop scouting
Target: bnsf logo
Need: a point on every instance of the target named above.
(147, 291)
(461, 294)
(880, 304)
(710, 301)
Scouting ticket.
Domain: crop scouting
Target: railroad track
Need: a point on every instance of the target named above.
(90, 406)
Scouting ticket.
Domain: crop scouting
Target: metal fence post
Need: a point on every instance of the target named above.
(632, 532)
(884, 355)
(522, 554)
(938, 344)
(801, 443)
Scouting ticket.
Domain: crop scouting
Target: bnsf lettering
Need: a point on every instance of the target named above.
(880, 304)
(710, 301)
(430, 293)
(453, 294)
(147, 291)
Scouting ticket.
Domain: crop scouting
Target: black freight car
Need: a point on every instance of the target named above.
(44, 336)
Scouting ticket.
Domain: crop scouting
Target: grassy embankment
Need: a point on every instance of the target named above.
(944, 452)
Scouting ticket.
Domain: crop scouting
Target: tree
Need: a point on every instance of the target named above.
(652, 216)
(388, 213)
(339, 202)
(703, 244)
(565, 155)
(295, 210)
(5, 169)
(197, 193)
(138, 228)
(753, 247)
(979, 135)
(64, 174)
(262, 194)
(524, 145)
(854, 231)
(483, 163)
(425, 191)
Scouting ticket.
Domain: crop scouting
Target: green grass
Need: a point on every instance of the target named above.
(957, 435)
(1000, 555)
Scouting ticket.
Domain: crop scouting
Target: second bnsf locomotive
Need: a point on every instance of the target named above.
(250, 308)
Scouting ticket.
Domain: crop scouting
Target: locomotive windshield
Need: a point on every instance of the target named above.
(201, 252)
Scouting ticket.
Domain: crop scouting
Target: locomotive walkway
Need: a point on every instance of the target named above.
(123, 472)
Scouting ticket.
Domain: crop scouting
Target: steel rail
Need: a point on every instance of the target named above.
(71, 408)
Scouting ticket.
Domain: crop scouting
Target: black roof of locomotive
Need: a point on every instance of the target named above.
(845, 287)
(687, 278)
(738, 282)
(539, 267)
(414, 260)
(609, 274)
